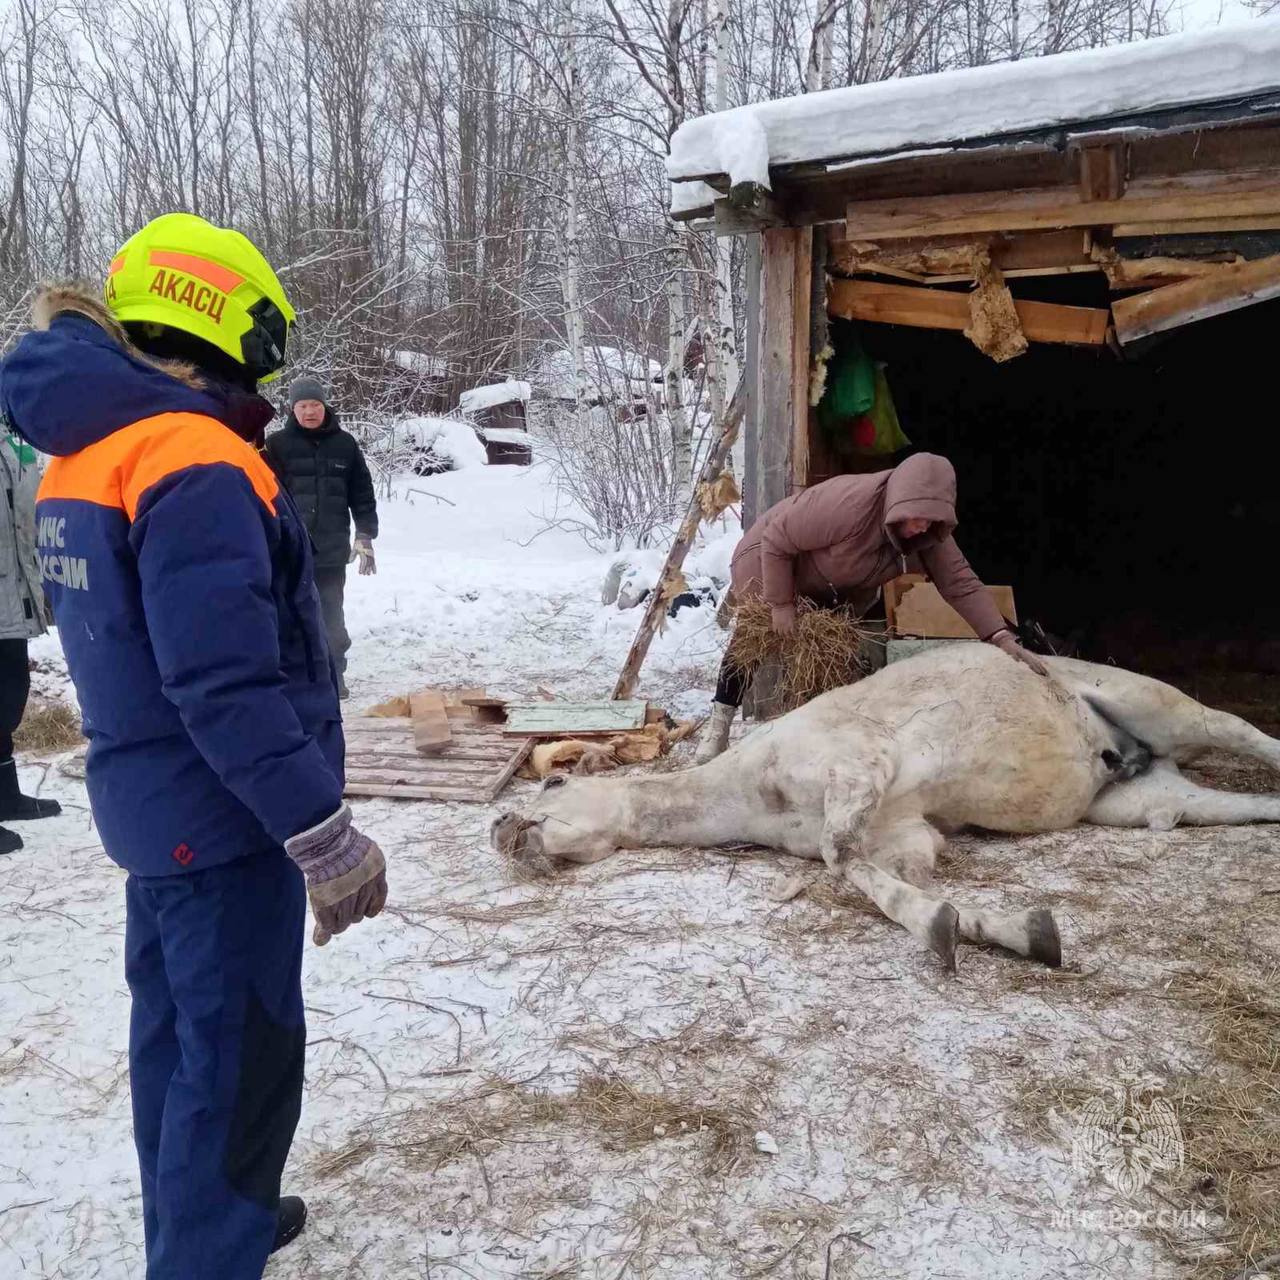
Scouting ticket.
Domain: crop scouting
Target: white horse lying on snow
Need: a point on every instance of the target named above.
(870, 776)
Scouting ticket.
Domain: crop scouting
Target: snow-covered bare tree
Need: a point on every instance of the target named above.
(455, 192)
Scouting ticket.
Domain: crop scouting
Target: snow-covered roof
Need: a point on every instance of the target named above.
(953, 107)
(610, 368)
(495, 393)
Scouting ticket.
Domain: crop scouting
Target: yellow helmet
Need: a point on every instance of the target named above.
(184, 273)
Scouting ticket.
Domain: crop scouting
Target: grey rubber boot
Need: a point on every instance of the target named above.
(715, 733)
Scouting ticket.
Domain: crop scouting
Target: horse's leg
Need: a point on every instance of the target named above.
(908, 847)
(1164, 798)
(1169, 721)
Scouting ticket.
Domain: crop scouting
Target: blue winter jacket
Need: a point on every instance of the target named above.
(182, 586)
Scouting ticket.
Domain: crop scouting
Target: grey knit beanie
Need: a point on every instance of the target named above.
(307, 388)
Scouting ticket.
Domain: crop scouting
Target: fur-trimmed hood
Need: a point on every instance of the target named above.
(76, 378)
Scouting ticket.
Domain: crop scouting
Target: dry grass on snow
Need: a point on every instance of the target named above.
(48, 726)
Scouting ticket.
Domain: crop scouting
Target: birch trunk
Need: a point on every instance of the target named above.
(721, 340)
(673, 379)
(572, 248)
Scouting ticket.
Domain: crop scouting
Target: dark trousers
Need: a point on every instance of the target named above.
(733, 682)
(332, 584)
(15, 685)
(216, 1043)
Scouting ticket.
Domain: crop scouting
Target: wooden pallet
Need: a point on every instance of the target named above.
(474, 768)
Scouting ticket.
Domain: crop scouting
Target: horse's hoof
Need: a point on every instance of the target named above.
(1043, 942)
(944, 934)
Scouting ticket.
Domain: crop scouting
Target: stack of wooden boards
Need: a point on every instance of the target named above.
(463, 745)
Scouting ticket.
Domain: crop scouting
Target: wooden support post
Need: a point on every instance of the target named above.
(659, 601)
(1236, 285)
(784, 329)
(750, 385)
(801, 327)
(1103, 171)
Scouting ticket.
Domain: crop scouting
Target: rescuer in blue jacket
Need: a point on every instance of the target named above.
(183, 590)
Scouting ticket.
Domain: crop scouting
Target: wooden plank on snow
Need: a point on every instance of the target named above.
(938, 309)
(430, 717)
(573, 719)
(1237, 285)
(382, 760)
(1182, 198)
(409, 791)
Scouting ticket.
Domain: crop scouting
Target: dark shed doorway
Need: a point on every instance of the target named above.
(1132, 504)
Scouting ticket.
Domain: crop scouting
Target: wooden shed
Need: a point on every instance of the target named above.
(1069, 269)
(500, 405)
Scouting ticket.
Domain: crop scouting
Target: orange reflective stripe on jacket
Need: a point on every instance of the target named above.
(117, 470)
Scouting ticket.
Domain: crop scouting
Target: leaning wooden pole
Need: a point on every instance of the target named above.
(658, 601)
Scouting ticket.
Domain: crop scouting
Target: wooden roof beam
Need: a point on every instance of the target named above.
(938, 309)
(951, 258)
(1172, 200)
(1228, 289)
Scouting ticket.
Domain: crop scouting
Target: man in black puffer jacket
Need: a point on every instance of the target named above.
(326, 474)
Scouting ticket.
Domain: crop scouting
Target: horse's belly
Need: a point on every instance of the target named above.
(1032, 793)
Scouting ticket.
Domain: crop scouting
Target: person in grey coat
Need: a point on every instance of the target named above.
(21, 617)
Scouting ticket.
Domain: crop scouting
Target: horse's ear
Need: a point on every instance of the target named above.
(556, 780)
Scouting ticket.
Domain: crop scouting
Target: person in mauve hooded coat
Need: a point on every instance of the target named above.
(837, 544)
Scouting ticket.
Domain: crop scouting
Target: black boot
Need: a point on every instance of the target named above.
(293, 1217)
(10, 841)
(14, 806)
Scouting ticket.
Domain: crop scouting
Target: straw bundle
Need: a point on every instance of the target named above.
(826, 650)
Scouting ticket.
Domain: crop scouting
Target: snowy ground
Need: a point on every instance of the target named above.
(568, 1079)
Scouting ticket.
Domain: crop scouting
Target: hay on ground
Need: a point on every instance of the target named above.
(621, 1116)
(827, 649)
(1231, 1114)
(49, 726)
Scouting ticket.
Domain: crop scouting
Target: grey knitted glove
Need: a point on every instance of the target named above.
(345, 871)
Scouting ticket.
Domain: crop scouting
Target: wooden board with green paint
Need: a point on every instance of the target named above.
(573, 719)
